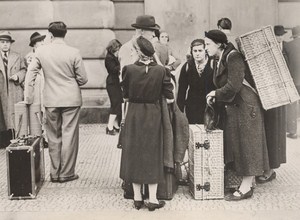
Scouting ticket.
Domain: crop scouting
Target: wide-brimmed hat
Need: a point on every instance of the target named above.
(216, 36)
(296, 31)
(146, 22)
(6, 35)
(145, 46)
(36, 37)
(279, 30)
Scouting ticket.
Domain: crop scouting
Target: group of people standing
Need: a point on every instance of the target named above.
(215, 74)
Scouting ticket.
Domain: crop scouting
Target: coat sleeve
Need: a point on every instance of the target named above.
(33, 69)
(182, 87)
(125, 83)
(22, 72)
(79, 70)
(167, 88)
(236, 73)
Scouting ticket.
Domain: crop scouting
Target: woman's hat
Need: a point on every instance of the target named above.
(216, 36)
(146, 22)
(145, 46)
(279, 30)
(296, 31)
(36, 37)
(6, 35)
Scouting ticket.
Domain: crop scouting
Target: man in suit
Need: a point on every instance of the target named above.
(64, 72)
(293, 54)
(12, 74)
(144, 26)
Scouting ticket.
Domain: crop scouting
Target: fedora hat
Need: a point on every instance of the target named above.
(295, 31)
(146, 22)
(36, 37)
(6, 35)
(279, 30)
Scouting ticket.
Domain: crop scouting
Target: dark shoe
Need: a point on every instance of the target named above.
(265, 179)
(67, 179)
(242, 196)
(116, 129)
(110, 132)
(153, 206)
(54, 180)
(292, 136)
(138, 204)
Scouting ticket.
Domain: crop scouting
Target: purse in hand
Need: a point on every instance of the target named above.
(211, 118)
(121, 139)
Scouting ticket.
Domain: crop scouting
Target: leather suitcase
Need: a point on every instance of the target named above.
(25, 167)
(165, 190)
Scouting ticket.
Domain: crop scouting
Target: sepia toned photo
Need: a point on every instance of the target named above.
(149, 109)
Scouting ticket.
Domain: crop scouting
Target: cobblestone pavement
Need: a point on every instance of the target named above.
(97, 193)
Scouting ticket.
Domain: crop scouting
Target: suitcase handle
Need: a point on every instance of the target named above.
(19, 125)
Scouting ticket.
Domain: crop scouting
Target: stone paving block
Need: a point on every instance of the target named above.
(85, 14)
(25, 14)
(132, 9)
(96, 73)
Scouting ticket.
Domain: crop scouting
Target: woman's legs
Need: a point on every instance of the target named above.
(137, 192)
(152, 193)
(245, 185)
(111, 121)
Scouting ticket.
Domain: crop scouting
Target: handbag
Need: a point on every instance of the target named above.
(211, 118)
(121, 139)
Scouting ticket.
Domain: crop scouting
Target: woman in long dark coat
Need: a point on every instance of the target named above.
(144, 83)
(195, 82)
(113, 86)
(244, 132)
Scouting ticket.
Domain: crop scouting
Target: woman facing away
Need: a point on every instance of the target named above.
(144, 83)
(195, 82)
(244, 134)
(113, 87)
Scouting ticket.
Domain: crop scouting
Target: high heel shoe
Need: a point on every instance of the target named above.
(110, 132)
(138, 204)
(116, 129)
(232, 197)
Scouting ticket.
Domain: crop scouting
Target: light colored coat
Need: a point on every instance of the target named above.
(63, 71)
(14, 94)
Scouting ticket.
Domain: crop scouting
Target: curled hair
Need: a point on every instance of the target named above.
(196, 42)
(224, 23)
(113, 46)
(166, 33)
(58, 29)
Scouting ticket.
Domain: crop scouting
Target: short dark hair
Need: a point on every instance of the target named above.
(113, 46)
(58, 29)
(224, 23)
(196, 42)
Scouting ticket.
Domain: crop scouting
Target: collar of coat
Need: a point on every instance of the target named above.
(223, 64)
(12, 58)
(152, 63)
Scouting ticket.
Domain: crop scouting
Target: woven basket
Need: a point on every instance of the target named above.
(206, 166)
(232, 181)
(271, 75)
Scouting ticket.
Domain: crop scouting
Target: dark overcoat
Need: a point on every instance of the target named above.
(113, 87)
(192, 90)
(142, 152)
(244, 132)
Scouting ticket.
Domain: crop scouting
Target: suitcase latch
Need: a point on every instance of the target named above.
(205, 144)
(205, 187)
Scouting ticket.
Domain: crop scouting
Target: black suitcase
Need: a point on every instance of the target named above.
(165, 190)
(25, 167)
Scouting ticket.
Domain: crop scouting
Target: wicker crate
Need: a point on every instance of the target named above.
(206, 166)
(271, 75)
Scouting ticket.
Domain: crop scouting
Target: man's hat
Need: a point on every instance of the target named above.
(6, 35)
(279, 30)
(36, 37)
(145, 46)
(216, 36)
(146, 22)
(296, 31)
